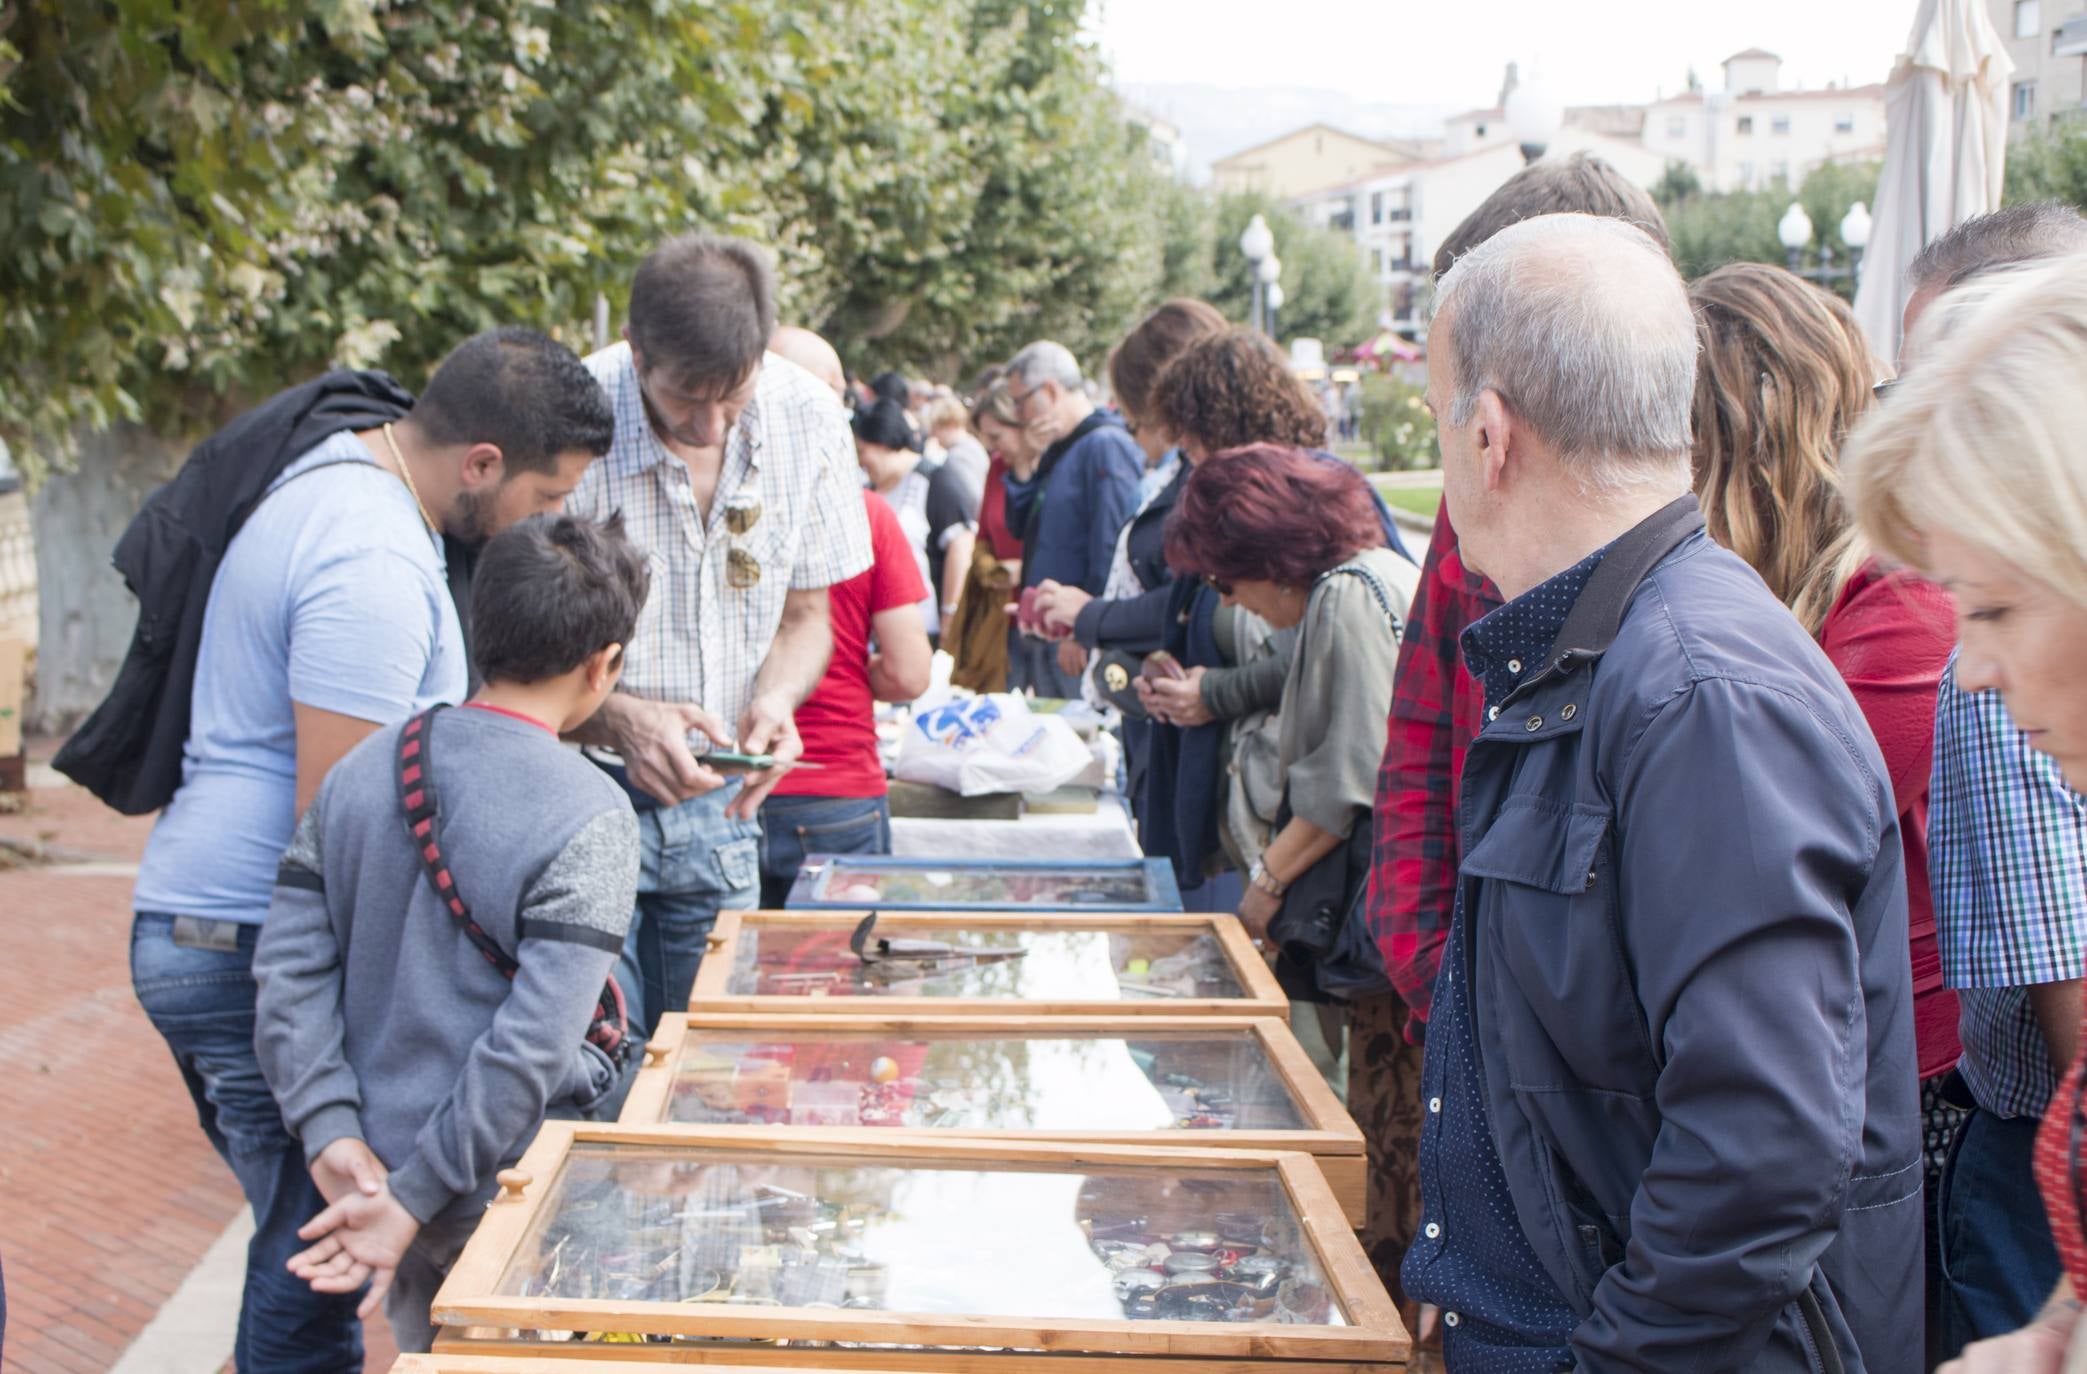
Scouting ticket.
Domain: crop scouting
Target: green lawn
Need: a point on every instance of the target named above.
(1420, 500)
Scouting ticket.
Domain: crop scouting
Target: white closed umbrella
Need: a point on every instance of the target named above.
(1946, 108)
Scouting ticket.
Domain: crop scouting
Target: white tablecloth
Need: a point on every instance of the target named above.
(1106, 834)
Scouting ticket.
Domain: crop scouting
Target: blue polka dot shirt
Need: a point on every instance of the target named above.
(1501, 1313)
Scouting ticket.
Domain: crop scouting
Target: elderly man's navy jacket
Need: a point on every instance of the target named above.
(1685, 898)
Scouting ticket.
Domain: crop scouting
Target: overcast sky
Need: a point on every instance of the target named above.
(1450, 53)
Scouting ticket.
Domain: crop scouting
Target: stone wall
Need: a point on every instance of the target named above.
(86, 614)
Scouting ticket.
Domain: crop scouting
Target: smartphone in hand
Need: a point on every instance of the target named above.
(1161, 666)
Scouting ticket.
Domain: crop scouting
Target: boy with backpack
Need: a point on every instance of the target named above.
(432, 970)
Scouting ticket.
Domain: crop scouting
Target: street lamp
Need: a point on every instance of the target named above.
(1855, 232)
(1275, 305)
(1796, 233)
(1257, 245)
(1268, 275)
(1534, 118)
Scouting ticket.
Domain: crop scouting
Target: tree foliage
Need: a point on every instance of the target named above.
(1709, 230)
(2048, 165)
(1331, 295)
(201, 203)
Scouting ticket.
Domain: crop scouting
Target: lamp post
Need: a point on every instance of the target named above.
(1257, 244)
(1275, 306)
(1855, 232)
(1796, 233)
(1534, 118)
(1268, 278)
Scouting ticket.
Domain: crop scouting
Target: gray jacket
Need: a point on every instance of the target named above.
(377, 1017)
(1686, 898)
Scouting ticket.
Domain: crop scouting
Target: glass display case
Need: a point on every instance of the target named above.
(933, 962)
(1229, 1082)
(836, 1249)
(856, 881)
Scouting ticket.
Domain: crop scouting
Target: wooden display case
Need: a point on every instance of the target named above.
(830, 882)
(857, 1250)
(1045, 964)
(1212, 1083)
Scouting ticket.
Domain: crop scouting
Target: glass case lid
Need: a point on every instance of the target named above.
(878, 881)
(900, 958)
(704, 1230)
(1218, 1080)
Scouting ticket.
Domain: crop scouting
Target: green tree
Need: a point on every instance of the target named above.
(200, 204)
(2050, 165)
(1331, 294)
(1711, 230)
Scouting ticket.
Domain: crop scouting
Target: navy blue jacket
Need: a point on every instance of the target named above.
(1071, 511)
(1686, 896)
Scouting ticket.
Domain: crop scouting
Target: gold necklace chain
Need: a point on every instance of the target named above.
(406, 474)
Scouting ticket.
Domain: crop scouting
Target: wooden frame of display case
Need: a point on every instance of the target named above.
(481, 1322)
(1158, 875)
(1261, 994)
(1329, 1135)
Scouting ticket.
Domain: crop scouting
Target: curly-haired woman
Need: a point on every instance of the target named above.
(1296, 540)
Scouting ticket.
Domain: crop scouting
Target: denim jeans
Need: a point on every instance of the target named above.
(1998, 1262)
(694, 861)
(202, 1002)
(794, 827)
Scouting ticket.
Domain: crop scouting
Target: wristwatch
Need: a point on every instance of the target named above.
(1261, 878)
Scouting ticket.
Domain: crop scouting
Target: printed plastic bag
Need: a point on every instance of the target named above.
(990, 744)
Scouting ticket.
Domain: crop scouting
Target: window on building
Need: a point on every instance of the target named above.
(1318, 145)
(1844, 123)
(1677, 126)
(1779, 171)
(1746, 175)
(1377, 261)
(2029, 18)
(1780, 126)
(2024, 100)
(1480, 130)
(1746, 124)
(1376, 207)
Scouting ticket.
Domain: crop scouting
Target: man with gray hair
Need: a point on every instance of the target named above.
(1070, 511)
(1670, 1083)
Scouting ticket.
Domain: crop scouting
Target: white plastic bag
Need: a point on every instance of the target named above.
(990, 744)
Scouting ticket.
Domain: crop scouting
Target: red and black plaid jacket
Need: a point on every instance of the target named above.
(1436, 711)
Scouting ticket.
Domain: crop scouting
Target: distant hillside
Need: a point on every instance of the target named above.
(1217, 121)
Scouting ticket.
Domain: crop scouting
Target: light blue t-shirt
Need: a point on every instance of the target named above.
(334, 594)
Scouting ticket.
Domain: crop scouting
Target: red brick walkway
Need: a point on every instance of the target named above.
(109, 1193)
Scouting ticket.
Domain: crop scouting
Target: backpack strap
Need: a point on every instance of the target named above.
(418, 799)
(1376, 586)
(609, 1028)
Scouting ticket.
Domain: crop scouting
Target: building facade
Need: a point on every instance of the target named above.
(1752, 133)
(1400, 218)
(2048, 41)
(1304, 159)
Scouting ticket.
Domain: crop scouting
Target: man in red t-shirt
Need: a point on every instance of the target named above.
(835, 802)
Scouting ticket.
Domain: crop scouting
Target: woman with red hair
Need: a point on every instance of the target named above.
(1297, 540)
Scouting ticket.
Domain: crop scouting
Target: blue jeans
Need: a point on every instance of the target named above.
(1998, 1262)
(202, 1001)
(794, 827)
(694, 861)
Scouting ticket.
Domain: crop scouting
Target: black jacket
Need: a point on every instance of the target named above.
(1138, 624)
(129, 751)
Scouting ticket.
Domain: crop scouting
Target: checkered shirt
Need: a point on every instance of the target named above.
(700, 639)
(2007, 849)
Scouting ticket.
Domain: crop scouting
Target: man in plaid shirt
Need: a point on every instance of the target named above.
(1436, 707)
(734, 471)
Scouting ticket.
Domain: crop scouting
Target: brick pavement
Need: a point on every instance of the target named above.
(109, 1193)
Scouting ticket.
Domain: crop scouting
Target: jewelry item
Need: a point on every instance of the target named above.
(406, 475)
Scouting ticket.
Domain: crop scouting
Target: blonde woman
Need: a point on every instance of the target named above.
(1976, 474)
